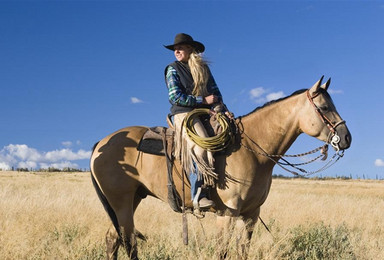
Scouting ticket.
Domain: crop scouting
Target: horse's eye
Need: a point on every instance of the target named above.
(324, 108)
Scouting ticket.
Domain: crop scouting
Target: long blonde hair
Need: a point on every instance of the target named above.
(200, 74)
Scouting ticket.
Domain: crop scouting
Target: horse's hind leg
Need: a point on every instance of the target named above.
(138, 199)
(124, 212)
(113, 242)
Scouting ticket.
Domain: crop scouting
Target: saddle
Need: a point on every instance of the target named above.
(160, 141)
(153, 139)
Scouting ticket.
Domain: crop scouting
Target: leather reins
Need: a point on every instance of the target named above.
(333, 139)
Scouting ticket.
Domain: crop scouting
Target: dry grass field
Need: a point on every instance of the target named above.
(58, 216)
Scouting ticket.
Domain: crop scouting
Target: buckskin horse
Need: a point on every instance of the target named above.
(123, 176)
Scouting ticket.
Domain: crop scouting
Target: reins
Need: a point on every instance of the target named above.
(286, 163)
(332, 139)
(222, 141)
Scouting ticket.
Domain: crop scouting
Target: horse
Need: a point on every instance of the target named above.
(123, 176)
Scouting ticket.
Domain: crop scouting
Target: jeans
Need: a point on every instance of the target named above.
(195, 182)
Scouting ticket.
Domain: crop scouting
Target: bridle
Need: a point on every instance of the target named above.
(333, 137)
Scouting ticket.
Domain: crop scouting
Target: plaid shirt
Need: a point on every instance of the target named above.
(178, 97)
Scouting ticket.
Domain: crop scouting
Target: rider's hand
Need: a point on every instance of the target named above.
(229, 115)
(211, 99)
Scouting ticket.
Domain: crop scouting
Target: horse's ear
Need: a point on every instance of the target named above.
(313, 90)
(326, 84)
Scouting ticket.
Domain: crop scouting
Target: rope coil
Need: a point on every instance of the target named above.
(214, 143)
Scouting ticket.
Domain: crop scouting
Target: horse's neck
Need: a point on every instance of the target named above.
(275, 127)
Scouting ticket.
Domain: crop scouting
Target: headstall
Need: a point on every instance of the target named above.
(333, 137)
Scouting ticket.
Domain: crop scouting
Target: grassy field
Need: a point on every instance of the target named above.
(58, 216)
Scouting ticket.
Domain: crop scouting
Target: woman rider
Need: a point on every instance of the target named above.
(191, 85)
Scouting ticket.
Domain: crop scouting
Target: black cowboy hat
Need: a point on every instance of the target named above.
(183, 38)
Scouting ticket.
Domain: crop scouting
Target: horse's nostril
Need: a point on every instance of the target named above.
(348, 139)
(347, 142)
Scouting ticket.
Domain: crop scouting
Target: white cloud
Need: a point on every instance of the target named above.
(27, 164)
(275, 95)
(22, 152)
(261, 95)
(335, 91)
(135, 100)
(257, 92)
(60, 165)
(379, 163)
(67, 143)
(22, 156)
(5, 166)
(70, 143)
(66, 154)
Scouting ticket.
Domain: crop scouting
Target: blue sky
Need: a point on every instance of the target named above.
(72, 72)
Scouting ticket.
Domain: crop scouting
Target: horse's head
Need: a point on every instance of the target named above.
(321, 120)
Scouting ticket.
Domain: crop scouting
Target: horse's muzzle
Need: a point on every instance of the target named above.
(345, 139)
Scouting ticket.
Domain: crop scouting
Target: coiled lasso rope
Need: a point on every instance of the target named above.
(214, 143)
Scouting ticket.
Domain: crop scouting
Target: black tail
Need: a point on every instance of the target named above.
(104, 201)
(106, 205)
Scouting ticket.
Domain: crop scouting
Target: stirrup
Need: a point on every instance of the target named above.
(198, 213)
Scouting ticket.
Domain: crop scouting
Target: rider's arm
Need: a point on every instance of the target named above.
(176, 94)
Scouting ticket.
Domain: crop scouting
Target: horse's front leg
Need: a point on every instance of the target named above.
(236, 229)
(245, 226)
(224, 234)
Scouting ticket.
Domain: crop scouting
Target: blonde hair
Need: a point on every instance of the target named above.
(200, 74)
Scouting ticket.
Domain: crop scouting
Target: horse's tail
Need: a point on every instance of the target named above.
(104, 201)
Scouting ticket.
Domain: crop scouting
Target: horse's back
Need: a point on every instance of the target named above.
(128, 135)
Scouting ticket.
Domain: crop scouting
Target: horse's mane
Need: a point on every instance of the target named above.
(297, 92)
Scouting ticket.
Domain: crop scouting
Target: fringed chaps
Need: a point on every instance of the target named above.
(194, 158)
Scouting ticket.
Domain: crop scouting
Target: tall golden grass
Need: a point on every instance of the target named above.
(58, 216)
